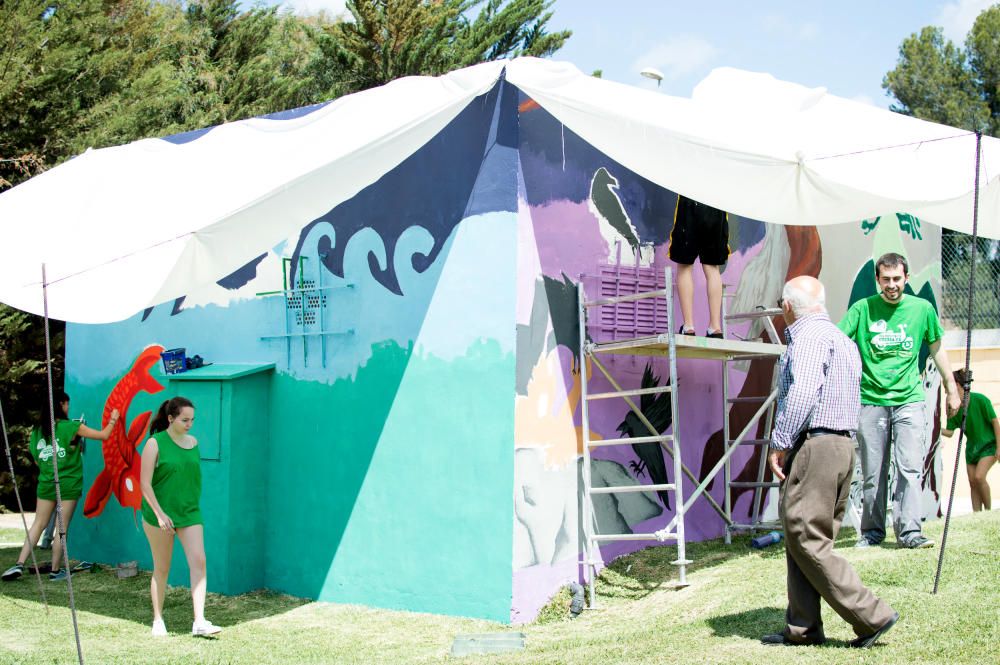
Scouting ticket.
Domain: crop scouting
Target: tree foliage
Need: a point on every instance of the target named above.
(937, 80)
(388, 39)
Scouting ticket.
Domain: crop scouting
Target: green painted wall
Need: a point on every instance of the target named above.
(394, 488)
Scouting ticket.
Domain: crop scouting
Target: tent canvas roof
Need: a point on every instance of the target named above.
(128, 227)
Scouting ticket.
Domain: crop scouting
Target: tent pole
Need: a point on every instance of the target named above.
(60, 524)
(20, 508)
(968, 355)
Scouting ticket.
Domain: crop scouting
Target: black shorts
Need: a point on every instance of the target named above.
(700, 231)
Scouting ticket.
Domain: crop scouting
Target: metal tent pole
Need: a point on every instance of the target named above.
(589, 563)
(55, 464)
(20, 508)
(679, 507)
(968, 352)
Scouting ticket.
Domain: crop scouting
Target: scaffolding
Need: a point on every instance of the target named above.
(672, 346)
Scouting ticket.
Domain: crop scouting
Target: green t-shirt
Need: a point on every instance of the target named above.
(889, 338)
(979, 422)
(176, 483)
(70, 462)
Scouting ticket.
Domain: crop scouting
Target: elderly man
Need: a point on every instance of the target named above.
(812, 453)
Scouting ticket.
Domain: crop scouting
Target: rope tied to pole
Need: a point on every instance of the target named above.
(968, 356)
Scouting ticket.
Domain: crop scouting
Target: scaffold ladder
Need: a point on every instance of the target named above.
(669, 442)
(759, 485)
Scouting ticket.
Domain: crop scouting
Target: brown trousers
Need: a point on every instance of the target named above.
(813, 501)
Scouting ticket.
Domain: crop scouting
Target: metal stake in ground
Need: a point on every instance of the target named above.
(55, 465)
(968, 351)
(20, 508)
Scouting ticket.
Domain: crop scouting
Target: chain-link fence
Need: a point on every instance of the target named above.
(956, 261)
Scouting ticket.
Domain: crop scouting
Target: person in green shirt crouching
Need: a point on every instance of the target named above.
(69, 456)
(171, 495)
(889, 329)
(982, 431)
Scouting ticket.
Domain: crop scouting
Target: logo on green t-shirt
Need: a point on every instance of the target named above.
(885, 340)
(45, 450)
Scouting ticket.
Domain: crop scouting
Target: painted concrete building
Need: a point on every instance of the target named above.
(392, 413)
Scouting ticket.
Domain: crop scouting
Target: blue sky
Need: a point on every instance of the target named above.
(846, 46)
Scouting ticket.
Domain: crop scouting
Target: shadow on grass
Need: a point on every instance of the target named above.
(101, 592)
(639, 574)
(754, 624)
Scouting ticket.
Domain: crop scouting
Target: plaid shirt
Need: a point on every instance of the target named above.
(819, 381)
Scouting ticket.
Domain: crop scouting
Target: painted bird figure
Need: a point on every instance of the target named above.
(612, 218)
(656, 409)
(120, 475)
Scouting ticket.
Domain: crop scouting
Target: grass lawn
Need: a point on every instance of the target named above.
(736, 595)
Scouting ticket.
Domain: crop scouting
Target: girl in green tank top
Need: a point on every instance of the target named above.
(171, 495)
(68, 453)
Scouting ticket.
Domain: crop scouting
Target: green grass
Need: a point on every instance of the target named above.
(735, 595)
(12, 535)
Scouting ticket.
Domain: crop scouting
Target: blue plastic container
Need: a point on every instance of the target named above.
(174, 360)
(768, 539)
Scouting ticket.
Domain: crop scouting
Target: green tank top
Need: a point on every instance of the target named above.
(176, 483)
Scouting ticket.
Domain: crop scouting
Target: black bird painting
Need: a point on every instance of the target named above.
(612, 218)
(656, 408)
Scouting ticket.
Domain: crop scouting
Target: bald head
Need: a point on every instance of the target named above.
(804, 295)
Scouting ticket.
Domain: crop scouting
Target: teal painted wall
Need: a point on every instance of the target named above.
(390, 485)
(381, 470)
(403, 502)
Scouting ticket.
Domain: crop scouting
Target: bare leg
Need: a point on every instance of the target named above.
(713, 288)
(977, 501)
(43, 511)
(69, 507)
(983, 468)
(685, 293)
(193, 540)
(161, 544)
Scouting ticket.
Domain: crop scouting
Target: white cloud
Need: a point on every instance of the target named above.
(782, 26)
(677, 56)
(957, 17)
(303, 7)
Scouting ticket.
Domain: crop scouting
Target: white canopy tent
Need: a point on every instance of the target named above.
(125, 228)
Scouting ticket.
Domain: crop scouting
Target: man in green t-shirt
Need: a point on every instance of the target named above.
(889, 329)
(982, 431)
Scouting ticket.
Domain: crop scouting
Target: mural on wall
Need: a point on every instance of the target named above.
(585, 217)
(582, 216)
(650, 456)
(388, 319)
(372, 314)
(120, 475)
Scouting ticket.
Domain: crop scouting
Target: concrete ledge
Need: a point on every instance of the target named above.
(981, 338)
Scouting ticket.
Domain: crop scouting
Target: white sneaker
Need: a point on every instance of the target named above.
(159, 628)
(204, 628)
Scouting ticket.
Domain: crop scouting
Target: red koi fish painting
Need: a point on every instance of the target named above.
(121, 459)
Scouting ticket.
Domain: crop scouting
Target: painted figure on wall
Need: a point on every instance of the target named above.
(120, 475)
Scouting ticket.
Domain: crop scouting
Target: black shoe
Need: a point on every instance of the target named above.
(867, 642)
(713, 335)
(779, 639)
(684, 331)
